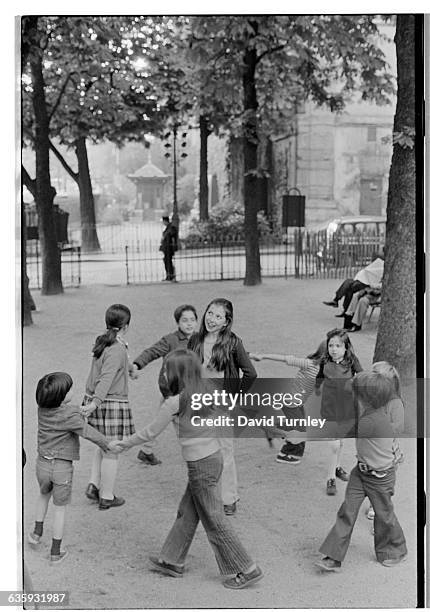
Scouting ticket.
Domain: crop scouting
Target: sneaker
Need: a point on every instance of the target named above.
(148, 458)
(341, 474)
(331, 303)
(34, 539)
(92, 492)
(105, 504)
(331, 486)
(393, 562)
(240, 581)
(291, 459)
(170, 569)
(230, 509)
(55, 559)
(370, 513)
(328, 564)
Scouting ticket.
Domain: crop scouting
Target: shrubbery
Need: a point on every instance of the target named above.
(226, 223)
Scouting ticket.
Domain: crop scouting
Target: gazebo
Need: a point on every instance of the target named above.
(150, 183)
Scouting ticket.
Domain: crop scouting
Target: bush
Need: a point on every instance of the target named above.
(226, 222)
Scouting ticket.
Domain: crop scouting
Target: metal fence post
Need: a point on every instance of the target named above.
(222, 268)
(126, 263)
(79, 265)
(37, 264)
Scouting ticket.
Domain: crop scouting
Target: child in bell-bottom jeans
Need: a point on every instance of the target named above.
(202, 498)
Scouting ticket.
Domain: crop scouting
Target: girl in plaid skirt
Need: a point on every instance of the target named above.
(106, 403)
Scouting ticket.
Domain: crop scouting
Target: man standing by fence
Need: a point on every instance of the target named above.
(169, 246)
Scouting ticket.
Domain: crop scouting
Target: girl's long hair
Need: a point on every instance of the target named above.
(349, 357)
(183, 372)
(390, 372)
(116, 317)
(319, 353)
(226, 342)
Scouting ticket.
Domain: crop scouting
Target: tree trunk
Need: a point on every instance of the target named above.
(235, 169)
(51, 255)
(250, 155)
(90, 241)
(27, 301)
(204, 189)
(396, 339)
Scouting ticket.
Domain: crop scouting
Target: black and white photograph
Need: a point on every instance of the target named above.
(220, 319)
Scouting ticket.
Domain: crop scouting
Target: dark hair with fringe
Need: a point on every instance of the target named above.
(372, 389)
(348, 359)
(179, 311)
(226, 340)
(52, 389)
(116, 317)
(183, 373)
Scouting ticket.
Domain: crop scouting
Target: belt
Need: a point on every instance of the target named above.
(363, 467)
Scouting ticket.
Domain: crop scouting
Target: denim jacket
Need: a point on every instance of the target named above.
(59, 430)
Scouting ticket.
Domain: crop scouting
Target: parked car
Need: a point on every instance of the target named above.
(348, 241)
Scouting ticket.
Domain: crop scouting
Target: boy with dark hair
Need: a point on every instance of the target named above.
(374, 477)
(59, 428)
(186, 320)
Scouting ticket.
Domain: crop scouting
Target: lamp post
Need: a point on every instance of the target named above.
(175, 161)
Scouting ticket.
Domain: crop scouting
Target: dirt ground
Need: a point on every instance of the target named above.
(283, 514)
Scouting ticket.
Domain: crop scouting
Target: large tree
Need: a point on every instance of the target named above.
(34, 42)
(396, 339)
(274, 61)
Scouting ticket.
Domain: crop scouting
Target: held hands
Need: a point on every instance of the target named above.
(132, 371)
(88, 409)
(115, 446)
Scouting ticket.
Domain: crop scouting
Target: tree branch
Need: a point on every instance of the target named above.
(28, 181)
(67, 168)
(268, 51)
(60, 95)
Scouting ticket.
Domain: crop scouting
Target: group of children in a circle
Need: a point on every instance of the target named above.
(196, 361)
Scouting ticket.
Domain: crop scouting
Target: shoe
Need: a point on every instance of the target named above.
(342, 314)
(92, 492)
(393, 562)
(55, 559)
(105, 504)
(328, 564)
(34, 539)
(347, 322)
(370, 514)
(331, 486)
(355, 328)
(148, 458)
(240, 581)
(331, 303)
(167, 568)
(230, 509)
(341, 474)
(288, 459)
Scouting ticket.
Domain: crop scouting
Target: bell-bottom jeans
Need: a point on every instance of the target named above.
(389, 540)
(202, 502)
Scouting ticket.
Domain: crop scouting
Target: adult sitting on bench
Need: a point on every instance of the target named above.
(370, 276)
(361, 300)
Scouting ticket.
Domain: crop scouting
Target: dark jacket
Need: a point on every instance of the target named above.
(239, 361)
(169, 239)
(59, 430)
(162, 348)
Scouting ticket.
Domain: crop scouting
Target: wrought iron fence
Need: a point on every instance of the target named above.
(70, 265)
(303, 254)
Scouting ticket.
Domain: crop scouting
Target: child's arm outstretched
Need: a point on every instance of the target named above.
(290, 360)
(168, 409)
(78, 424)
(157, 350)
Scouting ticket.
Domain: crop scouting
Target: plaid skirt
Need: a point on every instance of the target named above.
(113, 418)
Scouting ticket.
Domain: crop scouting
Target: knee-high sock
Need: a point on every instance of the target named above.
(109, 469)
(96, 467)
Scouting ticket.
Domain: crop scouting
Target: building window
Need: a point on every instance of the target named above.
(371, 133)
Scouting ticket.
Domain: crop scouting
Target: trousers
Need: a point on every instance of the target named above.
(202, 502)
(389, 540)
